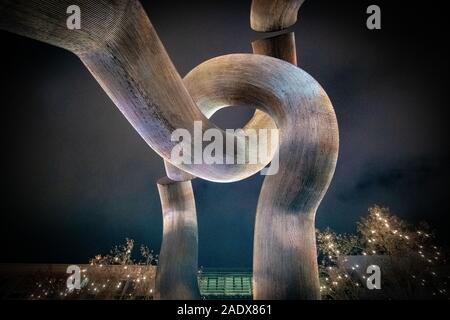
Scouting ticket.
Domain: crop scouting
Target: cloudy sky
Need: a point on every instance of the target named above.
(77, 179)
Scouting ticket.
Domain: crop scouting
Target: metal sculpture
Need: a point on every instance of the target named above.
(121, 49)
(176, 277)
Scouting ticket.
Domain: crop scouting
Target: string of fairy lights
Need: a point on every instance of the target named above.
(139, 280)
(379, 236)
(115, 275)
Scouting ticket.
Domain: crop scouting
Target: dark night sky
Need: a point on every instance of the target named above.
(77, 179)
